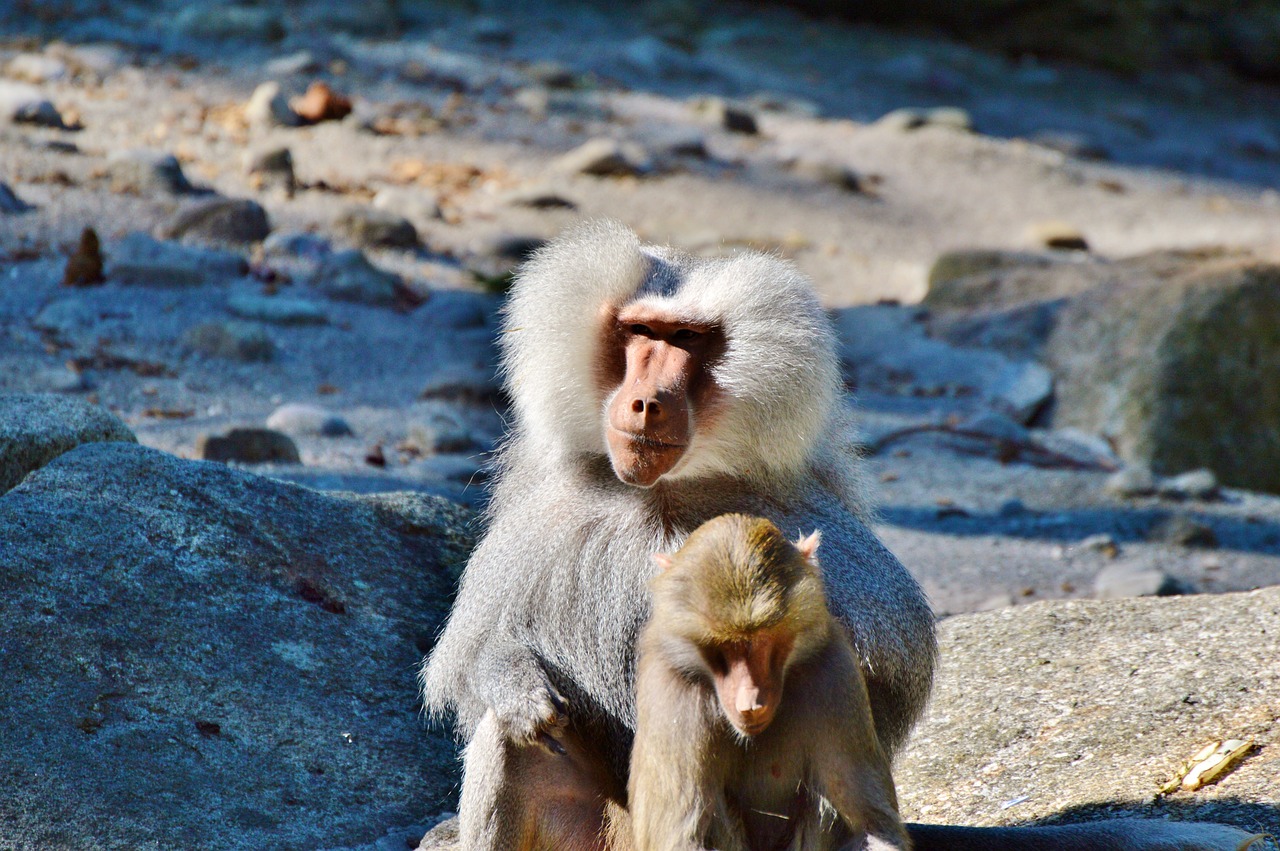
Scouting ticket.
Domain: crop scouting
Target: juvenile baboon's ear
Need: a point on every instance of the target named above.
(808, 546)
(663, 560)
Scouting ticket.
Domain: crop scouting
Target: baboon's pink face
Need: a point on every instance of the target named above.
(748, 676)
(657, 374)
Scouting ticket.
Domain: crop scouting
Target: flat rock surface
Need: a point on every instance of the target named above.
(195, 656)
(1087, 708)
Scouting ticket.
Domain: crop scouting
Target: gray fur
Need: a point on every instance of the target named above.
(556, 592)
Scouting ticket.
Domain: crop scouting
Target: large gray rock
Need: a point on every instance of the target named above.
(198, 657)
(36, 428)
(1081, 709)
(1173, 357)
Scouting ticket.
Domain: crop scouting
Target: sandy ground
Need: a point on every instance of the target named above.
(1187, 162)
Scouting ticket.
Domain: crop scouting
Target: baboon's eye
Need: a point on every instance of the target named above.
(715, 659)
(685, 335)
(641, 330)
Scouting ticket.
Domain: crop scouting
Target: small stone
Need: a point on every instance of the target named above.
(273, 168)
(1100, 543)
(684, 144)
(300, 419)
(1075, 145)
(268, 107)
(21, 103)
(248, 446)
(306, 246)
(84, 267)
(277, 310)
(902, 120)
(234, 340)
(416, 205)
(64, 381)
(1059, 236)
(1131, 481)
(321, 103)
(553, 75)
(825, 171)
(490, 30)
(371, 227)
(538, 197)
(735, 119)
(302, 62)
(1130, 579)
(1012, 508)
(462, 384)
(10, 203)
(349, 276)
(603, 158)
(233, 220)
(36, 68)
(950, 117)
(1183, 531)
(224, 21)
(1197, 484)
(141, 260)
(441, 435)
(145, 172)
(909, 118)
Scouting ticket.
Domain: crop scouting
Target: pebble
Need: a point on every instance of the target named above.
(416, 205)
(65, 316)
(36, 68)
(462, 384)
(1133, 480)
(1060, 236)
(142, 260)
(300, 419)
(1133, 579)
(1071, 144)
(233, 339)
(1100, 543)
(268, 107)
(277, 310)
(538, 197)
(84, 266)
(321, 103)
(21, 103)
(910, 118)
(229, 22)
(1197, 484)
(441, 434)
(825, 171)
(735, 119)
(349, 276)
(9, 201)
(374, 228)
(146, 172)
(302, 62)
(553, 75)
(604, 158)
(233, 220)
(1183, 531)
(248, 446)
(272, 169)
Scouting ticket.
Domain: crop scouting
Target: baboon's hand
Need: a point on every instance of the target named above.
(527, 706)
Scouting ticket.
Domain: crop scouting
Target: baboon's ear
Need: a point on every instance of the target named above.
(663, 560)
(808, 546)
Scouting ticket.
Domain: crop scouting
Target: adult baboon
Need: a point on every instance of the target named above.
(653, 391)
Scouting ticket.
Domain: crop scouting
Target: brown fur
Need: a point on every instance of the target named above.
(813, 775)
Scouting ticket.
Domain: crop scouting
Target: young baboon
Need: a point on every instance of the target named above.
(652, 391)
(753, 728)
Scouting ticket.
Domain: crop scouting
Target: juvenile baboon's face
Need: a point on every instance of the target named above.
(657, 377)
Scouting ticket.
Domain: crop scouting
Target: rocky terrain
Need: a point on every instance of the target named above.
(275, 237)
